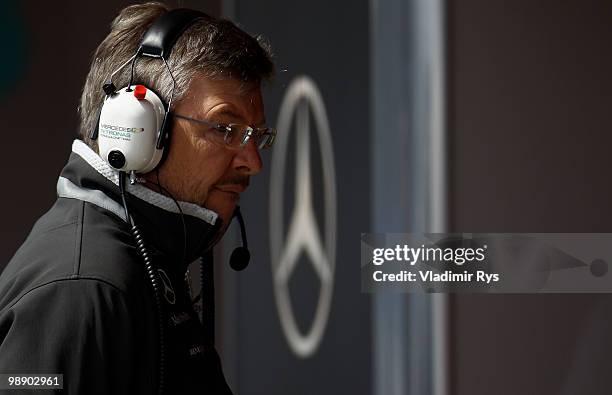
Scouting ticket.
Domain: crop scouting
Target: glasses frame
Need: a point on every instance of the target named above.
(226, 128)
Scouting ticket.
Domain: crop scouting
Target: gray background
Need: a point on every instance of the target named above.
(333, 51)
(529, 117)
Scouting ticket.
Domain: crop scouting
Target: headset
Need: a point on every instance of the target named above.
(133, 131)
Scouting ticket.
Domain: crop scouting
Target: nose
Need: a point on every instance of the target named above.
(247, 160)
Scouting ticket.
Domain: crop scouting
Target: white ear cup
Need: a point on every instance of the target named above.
(128, 130)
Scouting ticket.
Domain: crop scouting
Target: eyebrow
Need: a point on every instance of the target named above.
(228, 112)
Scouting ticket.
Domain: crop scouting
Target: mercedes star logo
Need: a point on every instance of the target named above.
(303, 235)
(169, 294)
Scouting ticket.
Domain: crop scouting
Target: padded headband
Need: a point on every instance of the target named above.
(163, 33)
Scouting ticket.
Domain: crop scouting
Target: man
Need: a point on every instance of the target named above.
(76, 298)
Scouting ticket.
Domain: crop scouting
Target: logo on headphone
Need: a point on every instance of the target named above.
(302, 238)
(118, 132)
(122, 129)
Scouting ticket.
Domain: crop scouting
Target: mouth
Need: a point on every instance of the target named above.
(234, 190)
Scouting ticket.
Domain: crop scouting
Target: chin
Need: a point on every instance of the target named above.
(222, 203)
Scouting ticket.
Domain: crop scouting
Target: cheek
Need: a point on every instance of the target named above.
(205, 163)
(193, 167)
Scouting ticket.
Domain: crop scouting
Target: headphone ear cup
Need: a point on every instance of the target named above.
(130, 121)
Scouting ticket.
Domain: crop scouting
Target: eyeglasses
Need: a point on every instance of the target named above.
(236, 135)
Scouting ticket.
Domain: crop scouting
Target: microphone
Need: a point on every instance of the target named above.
(240, 257)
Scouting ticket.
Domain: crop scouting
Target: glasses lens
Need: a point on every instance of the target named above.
(246, 135)
(265, 138)
(262, 141)
(272, 137)
(237, 135)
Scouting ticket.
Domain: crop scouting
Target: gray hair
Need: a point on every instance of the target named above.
(210, 48)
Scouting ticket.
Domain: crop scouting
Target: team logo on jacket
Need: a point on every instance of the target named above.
(168, 291)
(302, 236)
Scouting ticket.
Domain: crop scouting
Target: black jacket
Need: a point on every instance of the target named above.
(75, 298)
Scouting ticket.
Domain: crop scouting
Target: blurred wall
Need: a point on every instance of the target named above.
(328, 43)
(530, 95)
(47, 49)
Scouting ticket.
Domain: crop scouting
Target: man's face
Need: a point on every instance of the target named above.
(204, 172)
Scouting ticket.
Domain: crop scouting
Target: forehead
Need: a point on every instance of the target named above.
(206, 97)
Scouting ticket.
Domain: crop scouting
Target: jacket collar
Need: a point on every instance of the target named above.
(87, 177)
